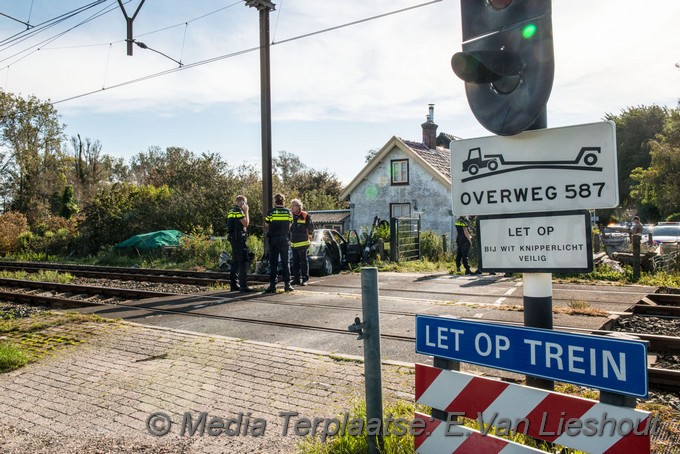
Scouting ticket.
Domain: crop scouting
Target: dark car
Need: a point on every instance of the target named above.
(330, 251)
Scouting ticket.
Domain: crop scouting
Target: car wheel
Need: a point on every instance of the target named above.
(327, 266)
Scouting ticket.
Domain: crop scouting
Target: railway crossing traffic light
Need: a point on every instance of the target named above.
(507, 62)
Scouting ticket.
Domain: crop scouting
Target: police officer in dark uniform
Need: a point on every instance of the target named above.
(300, 234)
(463, 244)
(279, 219)
(237, 224)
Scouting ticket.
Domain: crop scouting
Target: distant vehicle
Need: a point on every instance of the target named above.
(666, 232)
(615, 237)
(644, 237)
(330, 251)
(476, 161)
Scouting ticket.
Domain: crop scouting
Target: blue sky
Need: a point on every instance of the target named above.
(335, 95)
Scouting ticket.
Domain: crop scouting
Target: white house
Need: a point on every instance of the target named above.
(406, 179)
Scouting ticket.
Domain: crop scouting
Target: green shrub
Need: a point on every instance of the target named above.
(431, 246)
(675, 217)
(199, 249)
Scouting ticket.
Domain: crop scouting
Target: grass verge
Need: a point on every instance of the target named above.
(12, 356)
(43, 334)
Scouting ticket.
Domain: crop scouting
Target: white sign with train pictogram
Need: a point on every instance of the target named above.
(542, 170)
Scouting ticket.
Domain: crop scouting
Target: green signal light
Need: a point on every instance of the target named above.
(529, 31)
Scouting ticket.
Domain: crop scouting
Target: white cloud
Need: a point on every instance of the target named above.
(354, 87)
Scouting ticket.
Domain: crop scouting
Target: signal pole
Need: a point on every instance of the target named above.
(264, 7)
(507, 64)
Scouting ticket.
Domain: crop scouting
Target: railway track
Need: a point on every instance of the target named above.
(70, 296)
(210, 278)
(73, 296)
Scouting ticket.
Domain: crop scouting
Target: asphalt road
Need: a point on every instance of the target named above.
(334, 302)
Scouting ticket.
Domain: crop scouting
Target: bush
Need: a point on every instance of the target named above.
(675, 217)
(197, 248)
(431, 246)
(12, 226)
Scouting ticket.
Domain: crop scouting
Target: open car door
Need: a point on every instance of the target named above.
(354, 248)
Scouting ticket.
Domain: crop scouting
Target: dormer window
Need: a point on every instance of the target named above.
(399, 171)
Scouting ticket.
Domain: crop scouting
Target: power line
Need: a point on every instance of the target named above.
(55, 37)
(152, 31)
(96, 16)
(241, 52)
(357, 22)
(161, 73)
(25, 34)
(28, 25)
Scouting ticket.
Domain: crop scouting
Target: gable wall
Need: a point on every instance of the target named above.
(374, 194)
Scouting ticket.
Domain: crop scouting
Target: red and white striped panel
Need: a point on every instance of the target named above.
(477, 396)
(434, 440)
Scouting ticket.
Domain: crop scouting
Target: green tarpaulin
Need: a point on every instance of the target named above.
(152, 240)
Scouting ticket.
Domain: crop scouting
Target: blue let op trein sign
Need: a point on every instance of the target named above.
(610, 364)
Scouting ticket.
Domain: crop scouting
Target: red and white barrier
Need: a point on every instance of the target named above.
(435, 440)
(569, 421)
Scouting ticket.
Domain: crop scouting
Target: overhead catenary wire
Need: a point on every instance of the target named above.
(25, 34)
(169, 27)
(111, 8)
(356, 22)
(242, 52)
(53, 38)
(27, 24)
(278, 16)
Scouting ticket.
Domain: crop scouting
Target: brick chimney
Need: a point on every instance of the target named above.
(430, 130)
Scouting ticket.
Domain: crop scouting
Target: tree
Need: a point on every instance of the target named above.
(287, 166)
(659, 184)
(123, 210)
(12, 225)
(33, 166)
(636, 128)
(69, 205)
(91, 168)
(318, 189)
(370, 154)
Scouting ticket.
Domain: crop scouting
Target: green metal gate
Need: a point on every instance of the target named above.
(404, 239)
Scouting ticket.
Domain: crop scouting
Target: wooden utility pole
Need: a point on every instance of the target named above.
(264, 7)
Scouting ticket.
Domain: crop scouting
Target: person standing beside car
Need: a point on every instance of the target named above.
(301, 231)
(279, 219)
(636, 228)
(463, 244)
(237, 233)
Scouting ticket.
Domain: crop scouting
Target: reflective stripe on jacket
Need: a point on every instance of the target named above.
(235, 229)
(301, 230)
(279, 219)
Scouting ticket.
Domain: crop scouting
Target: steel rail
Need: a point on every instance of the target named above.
(211, 278)
(87, 289)
(657, 343)
(666, 379)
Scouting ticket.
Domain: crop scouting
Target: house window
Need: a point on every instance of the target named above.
(400, 210)
(400, 171)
